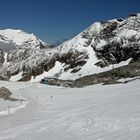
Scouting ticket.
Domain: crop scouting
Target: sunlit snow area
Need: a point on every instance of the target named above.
(109, 112)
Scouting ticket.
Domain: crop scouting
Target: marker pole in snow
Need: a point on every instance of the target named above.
(9, 110)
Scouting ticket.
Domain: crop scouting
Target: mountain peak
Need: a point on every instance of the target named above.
(21, 38)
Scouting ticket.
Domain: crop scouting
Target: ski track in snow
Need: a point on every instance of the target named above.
(110, 112)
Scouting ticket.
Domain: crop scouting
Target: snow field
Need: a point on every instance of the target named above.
(91, 113)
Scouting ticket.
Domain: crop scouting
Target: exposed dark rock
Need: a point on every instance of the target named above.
(5, 93)
(107, 32)
(37, 70)
(100, 64)
(120, 19)
(1, 58)
(132, 15)
(75, 70)
(131, 70)
(26, 77)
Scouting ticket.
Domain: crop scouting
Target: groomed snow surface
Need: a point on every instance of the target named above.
(97, 112)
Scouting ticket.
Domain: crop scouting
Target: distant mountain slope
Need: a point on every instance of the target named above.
(101, 47)
(19, 39)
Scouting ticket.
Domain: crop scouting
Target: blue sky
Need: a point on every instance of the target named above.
(53, 20)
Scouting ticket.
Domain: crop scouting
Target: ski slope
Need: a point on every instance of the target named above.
(97, 112)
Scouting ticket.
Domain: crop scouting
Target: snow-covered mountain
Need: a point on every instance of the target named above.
(19, 39)
(101, 47)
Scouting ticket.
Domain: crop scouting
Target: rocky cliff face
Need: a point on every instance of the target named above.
(119, 40)
(101, 47)
(34, 62)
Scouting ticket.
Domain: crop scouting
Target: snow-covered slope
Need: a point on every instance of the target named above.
(101, 47)
(20, 39)
(96, 112)
(6, 44)
(106, 44)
